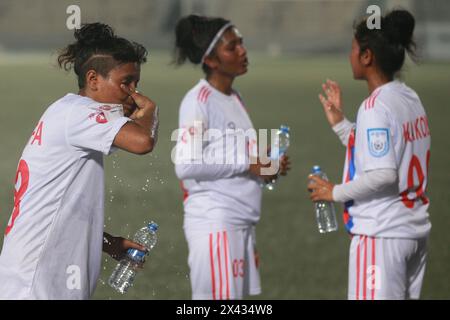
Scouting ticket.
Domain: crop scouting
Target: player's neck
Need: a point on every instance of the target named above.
(375, 80)
(222, 83)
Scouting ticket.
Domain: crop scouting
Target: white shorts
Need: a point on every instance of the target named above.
(223, 264)
(386, 268)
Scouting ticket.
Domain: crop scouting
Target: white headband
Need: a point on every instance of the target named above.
(216, 38)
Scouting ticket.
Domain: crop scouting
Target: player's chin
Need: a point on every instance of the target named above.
(242, 70)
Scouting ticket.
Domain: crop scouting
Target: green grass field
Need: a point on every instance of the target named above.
(296, 261)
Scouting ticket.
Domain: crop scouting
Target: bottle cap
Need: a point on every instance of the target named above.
(316, 169)
(152, 226)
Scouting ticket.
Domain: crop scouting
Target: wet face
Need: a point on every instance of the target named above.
(108, 89)
(355, 61)
(230, 54)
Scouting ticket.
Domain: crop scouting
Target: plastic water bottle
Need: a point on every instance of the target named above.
(282, 144)
(325, 211)
(123, 275)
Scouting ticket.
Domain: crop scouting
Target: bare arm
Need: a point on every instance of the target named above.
(139, 136)
(117, 247)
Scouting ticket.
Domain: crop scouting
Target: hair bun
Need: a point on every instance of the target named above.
(400, 27)
(92, 33)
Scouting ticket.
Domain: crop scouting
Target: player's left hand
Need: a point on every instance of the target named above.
(117, 247)
(321, 190)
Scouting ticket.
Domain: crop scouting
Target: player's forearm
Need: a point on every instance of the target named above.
(366, 185)
(208, 172)
(343, 129)
(150, 124)
(205, 162)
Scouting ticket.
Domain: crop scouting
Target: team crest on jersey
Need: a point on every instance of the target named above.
(378, 141)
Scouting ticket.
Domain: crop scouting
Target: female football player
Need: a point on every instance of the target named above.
(54, 239)
(222, 201)
(386, 167)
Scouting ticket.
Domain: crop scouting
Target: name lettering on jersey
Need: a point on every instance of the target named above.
(378, 140)
(416, 130)
(36, 136)
(73, 281)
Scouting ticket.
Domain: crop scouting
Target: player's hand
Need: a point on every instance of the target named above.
(284, 165)
(144, 106)
(265, 171)
(117, 247)
(321, 190)
(332, 103)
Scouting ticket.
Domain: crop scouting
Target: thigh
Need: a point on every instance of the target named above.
(222, 264)
(416, 269)
(378, 267)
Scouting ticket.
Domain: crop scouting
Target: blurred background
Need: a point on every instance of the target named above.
(294, 45)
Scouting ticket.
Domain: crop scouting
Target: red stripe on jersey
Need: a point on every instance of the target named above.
(208, 92)
(225, 240)
(211, 258)
(370, 102)
(201, 93)
(375, 95)
(220, 266)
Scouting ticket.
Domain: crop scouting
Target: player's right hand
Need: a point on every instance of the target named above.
(332, 103)
(266, 171)
(144, 106)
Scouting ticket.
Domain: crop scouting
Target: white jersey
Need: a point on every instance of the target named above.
(53, 242)
(391, 132)
(218, 187)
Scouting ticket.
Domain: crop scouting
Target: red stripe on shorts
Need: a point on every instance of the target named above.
(365, 269)
(373, 269)
(211, 257)
(225, 241)
(357, 268)
(220, 266)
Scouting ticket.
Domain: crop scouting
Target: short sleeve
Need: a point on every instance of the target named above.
(374, 138)
(94, 127)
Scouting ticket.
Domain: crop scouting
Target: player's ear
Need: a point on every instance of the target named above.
(92, 80)
(212, 62)
(366, 57)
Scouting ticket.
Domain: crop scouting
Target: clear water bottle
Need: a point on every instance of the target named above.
(123, 275)
(279, 148)
(325, 211)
